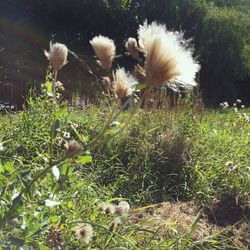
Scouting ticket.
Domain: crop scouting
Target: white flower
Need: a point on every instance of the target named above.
(1, 147)
(56, 172)
(246, 117)
(66, 135)
(50, 203)
(224, 105)
(114, 124)
(58, 96)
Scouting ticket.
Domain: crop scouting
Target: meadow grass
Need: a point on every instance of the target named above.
(183, 154)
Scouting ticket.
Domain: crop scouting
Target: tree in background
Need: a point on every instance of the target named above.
(220, 28)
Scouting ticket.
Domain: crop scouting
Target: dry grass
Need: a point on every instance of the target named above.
(177, 218)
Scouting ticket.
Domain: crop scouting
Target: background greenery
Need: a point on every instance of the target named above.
(220, 28)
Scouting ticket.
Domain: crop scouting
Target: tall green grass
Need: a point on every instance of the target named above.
(181, 154)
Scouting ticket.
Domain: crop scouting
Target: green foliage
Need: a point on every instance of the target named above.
(177, 155)
(220, 29)
(181, 154)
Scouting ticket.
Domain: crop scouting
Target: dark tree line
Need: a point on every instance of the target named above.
(220, 28)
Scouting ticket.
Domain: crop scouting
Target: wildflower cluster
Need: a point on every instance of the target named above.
(237, 109)
(224, 105)
(85, 231)
(160, 56)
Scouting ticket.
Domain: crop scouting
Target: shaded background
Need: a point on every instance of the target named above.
(220, 28)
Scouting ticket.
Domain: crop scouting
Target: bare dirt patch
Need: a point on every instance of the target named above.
(227, 216)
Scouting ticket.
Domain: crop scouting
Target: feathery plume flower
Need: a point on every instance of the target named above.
(71, 148)
(105, 50)
(166, 58)
(161, 62)
(85, 233)
(107, 85)
(140, 73)
(124, 83)
(146, 32)
(132, 48)
(57, 55)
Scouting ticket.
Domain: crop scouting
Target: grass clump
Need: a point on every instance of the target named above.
(179, 154)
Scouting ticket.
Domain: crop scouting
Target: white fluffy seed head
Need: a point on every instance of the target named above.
(146, 32)
(125, 205)
(85, 233)
(109, 209)
(124, 83)
(132, 48)
(57, 55)
(166, 57)
(122, 208)
(105, 50)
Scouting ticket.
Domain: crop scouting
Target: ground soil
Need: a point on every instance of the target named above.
(229, 216)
